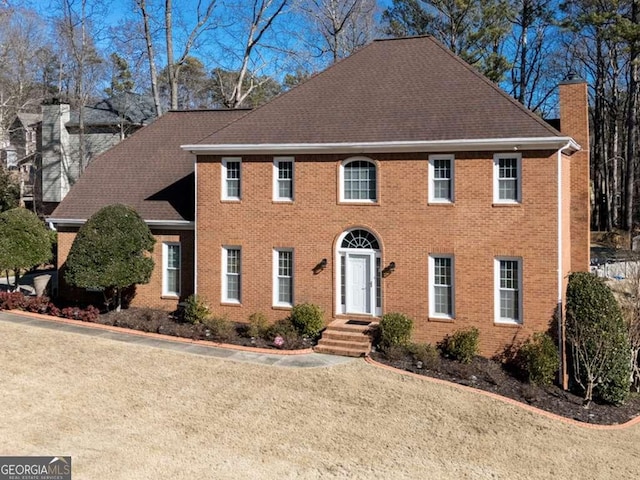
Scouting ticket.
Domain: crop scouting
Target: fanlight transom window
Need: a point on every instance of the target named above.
(360, 239)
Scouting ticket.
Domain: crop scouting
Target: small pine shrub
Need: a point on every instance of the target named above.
(537, 359)
(196, 310)
(395, 353)
(425, 353)
(307, 319)
(258, 325)
(221, 328)
(395, 330)
(462, 345)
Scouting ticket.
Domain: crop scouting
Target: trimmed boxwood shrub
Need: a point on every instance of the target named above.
(395, 330)
(462, 345)
(538, 360)
(307, 319)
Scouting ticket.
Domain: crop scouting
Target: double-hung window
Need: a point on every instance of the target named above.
(441, 178)
(231, 178)
(171, 271)
(283, 277)
(283, 179)
(507, 178)
(358, 181)
(231, 274)
(508, 285)
(441, 286)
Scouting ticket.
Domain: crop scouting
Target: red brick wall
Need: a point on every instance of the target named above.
(148, 295)
(574, 122)
(409, 229)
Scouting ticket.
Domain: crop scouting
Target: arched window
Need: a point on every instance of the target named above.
(360, 239)
(359, 182)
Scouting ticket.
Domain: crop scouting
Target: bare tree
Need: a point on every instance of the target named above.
(142, 5)
(262, 16)
(342, 25)
(203, 18)
(21, 40)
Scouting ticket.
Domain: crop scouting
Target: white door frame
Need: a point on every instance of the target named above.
(342, 255)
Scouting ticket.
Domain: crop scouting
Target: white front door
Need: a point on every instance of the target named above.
(359, 283)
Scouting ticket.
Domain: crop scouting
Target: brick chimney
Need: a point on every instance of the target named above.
(574, 123)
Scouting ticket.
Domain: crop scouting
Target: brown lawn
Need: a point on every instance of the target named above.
(125, 411)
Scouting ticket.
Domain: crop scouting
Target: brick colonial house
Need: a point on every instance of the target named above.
(399, 179)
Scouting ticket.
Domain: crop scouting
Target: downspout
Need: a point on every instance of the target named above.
(195, 226)
(564, 378)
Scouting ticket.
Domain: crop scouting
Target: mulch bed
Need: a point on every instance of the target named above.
(159, 321)
(491, 376)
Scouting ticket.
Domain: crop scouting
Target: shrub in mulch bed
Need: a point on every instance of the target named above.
(19, 301)
(280, 335)
(494, 376)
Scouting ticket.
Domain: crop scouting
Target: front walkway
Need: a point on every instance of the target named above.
(308, 360)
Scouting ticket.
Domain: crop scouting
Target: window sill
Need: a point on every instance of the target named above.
(506, 204)
(283, 201)
(229, 303)
(435, 203)
(505, 323)
(281, 307)
(170, 297)
(359, 203)
(442, 319)
(230, 200)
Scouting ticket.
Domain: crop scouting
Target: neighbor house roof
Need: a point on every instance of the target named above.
(400, 90)
(147, 170)
(125, 107)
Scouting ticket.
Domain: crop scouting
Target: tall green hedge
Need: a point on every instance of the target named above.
(598, 340)
(25, 241)
(111, 251)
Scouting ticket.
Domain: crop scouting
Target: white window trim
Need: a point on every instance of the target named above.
(224, 296)
(432, 290)
(496, 182)
(432, 159)
(223, 177)
(496, 293)
(359, 200)
(165, 263)
(276, 284)
(276, 171)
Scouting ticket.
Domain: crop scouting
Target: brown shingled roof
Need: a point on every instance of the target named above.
(411, 89)
(148, 170)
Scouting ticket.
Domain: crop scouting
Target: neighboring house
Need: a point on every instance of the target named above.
(105, 124)
(21, 153)
(150, 172)
(398, 180)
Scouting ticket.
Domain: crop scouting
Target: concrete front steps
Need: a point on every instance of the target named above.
(347, 338)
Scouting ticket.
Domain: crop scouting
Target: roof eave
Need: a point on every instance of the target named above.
(464, 145)
(169, 224)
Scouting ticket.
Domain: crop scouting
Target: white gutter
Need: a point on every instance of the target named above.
(172, 224)
(560, 221)
(561, 337)
(195, 229)
(524, 143)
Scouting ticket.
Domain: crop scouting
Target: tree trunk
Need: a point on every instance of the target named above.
(152, 62)
(171, 67)
(632, 124)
